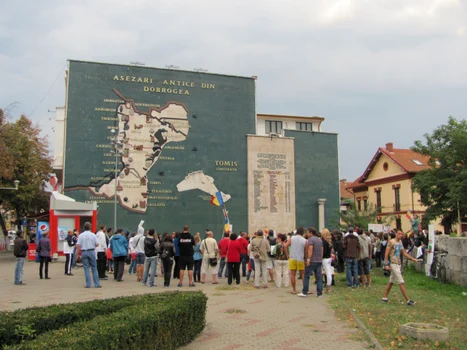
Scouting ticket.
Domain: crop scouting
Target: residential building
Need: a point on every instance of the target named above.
(387, 184)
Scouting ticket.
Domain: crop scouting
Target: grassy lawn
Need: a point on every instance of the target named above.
(444, 305)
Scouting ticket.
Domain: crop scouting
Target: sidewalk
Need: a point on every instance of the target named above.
(238, 317)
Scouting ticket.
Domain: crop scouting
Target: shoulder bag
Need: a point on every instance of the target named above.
(212, 261)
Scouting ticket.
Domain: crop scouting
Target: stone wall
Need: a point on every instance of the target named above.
(456, 259)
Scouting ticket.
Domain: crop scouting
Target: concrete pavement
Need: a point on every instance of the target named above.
(238, 317)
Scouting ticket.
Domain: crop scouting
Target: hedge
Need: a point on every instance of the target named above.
(173, 320)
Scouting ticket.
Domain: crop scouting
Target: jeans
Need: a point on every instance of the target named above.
(150, 264)
(261, 273)
(132, 268)
(221, 268)
(233, 272)
(44, 260)
(197, 270)
(315, 268)
(119, 267)
(176, 268)
(89, 262)
(19, 270)
(244, 260)
(167, 263)
(101, 264)
(352, 271)
(252, 263)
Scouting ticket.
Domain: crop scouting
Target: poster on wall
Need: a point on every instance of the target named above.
(62, 233)
(42, 226)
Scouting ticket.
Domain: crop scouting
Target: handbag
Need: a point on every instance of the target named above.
(212, 261)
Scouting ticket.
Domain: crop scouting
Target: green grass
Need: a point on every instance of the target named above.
(444, 305)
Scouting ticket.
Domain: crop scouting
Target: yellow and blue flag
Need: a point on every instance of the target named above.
(217, 199)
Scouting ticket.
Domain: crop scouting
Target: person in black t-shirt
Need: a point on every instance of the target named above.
(186, 261)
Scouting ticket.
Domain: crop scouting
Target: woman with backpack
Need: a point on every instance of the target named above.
(167, 253)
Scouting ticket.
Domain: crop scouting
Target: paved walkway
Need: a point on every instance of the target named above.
(237, 317)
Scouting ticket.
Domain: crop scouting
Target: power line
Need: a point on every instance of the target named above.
(43, 98)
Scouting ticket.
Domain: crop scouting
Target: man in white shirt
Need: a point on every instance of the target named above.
(100, 250)
(138, 245)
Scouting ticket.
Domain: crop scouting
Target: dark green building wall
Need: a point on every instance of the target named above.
(316, 176)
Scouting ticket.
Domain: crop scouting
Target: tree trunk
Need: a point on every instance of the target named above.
(5, 231)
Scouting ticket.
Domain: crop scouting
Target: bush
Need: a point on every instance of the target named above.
(167, 322)
(27, 323)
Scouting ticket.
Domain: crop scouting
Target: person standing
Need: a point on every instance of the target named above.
(297, 245)
(119, 248)
(185, 244)
(314, 263)
(167, 253)
(327, 259)
(151, 246)
(281, 265)
(223, 246)
(86, 245)
(20, 251)
(68, 249)
(365, 258)
(44, 248)
(260, 248)
(209, 250)
(392, 262)
(244, 252)
(74, 256)
(198, 258)
(101, 252)
(271, 259)
(233, 259)
(352, 250)
(415, 224)
(177, 256)
(138, 245)
(131, 251)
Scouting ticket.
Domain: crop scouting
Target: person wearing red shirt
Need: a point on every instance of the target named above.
(233, 258)
(223, 246)
(244, 252)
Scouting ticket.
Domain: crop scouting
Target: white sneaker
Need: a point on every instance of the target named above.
(301, 295)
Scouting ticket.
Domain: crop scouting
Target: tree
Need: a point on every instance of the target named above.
(443, 187)
(24, 157)
(355, 217)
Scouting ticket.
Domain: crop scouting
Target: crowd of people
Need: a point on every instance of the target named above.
(272, 258)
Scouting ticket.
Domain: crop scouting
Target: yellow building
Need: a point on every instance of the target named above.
(387, 184)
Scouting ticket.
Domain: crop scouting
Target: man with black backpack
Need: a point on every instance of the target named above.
(20, 250)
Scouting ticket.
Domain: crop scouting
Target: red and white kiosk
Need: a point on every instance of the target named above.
(68, 214)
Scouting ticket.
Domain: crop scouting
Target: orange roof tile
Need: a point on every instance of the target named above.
(345, 194)
(410, 161)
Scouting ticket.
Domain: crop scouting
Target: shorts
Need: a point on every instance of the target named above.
(270, 262)
(140, 258)
(186, 262)
(396, 275)
(295, 265)
(364, 266)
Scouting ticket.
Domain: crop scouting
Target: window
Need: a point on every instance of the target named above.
(398, 223)
(359, 205)
(304, 126)
(417, 162)
(365, 204)
(274, 127)
(397, 201)
(378, 200)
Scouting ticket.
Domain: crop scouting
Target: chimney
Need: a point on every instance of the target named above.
(389, 146)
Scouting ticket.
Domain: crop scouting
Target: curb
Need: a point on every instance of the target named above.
(366, 331)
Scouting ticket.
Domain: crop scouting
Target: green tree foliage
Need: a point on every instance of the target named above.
(23, 156)
(354, 217)
(443, 187)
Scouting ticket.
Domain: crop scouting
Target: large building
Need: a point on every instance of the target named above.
(183, 141)
(386, 183)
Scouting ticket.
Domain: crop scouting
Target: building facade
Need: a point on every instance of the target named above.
(386, 183)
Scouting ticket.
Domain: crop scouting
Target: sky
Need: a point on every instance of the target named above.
(378, 71)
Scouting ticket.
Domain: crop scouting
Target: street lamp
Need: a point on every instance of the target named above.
(16, 182)
(116, 149)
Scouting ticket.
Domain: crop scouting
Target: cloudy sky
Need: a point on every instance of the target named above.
(378, 70)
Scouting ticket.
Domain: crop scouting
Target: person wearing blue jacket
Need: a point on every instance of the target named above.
(177, 256)
(119, 247)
